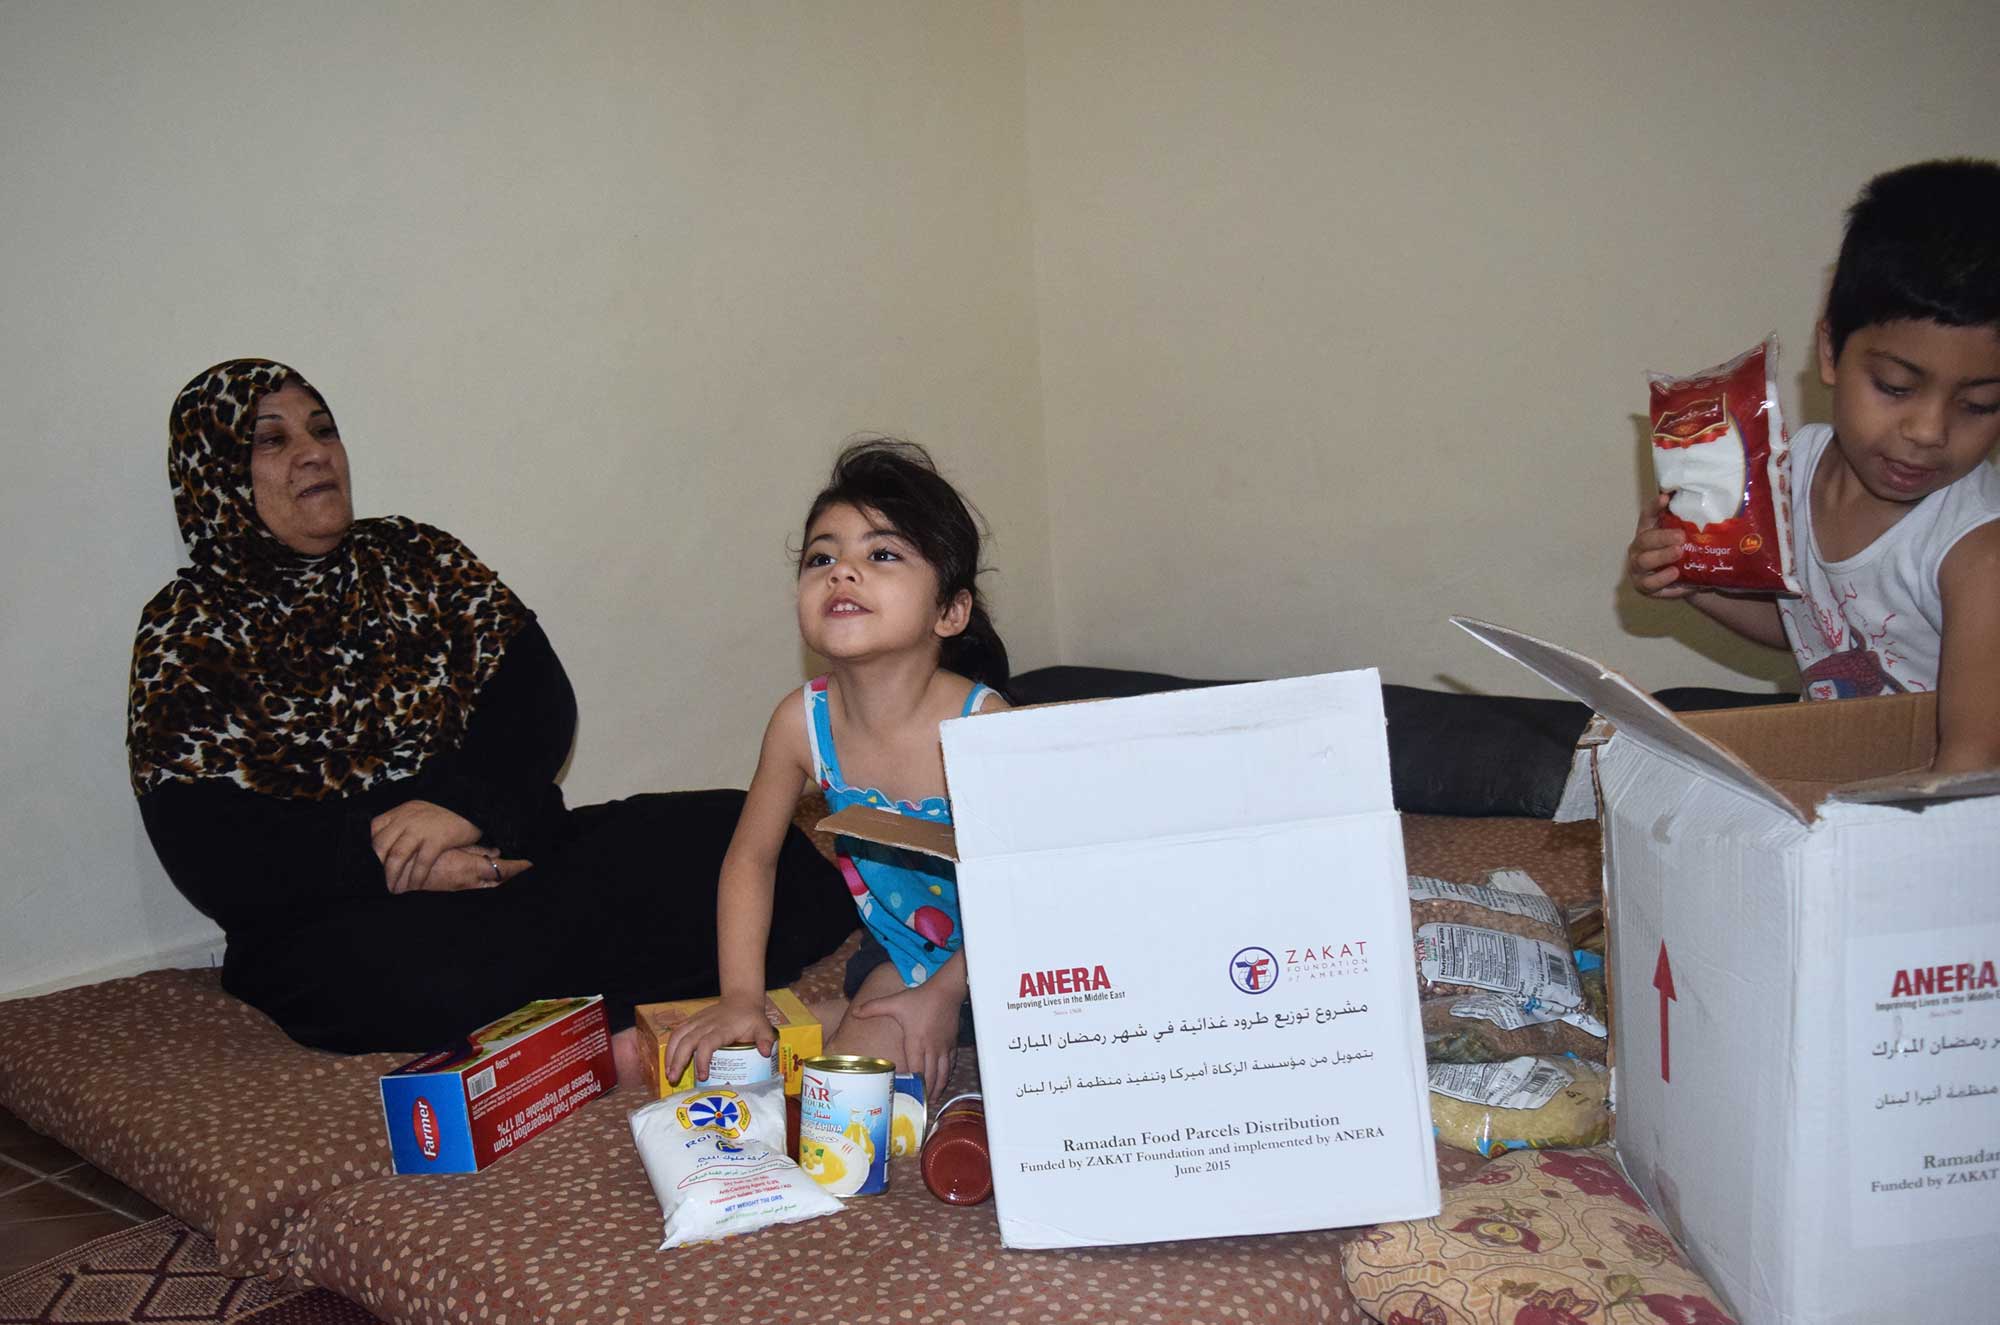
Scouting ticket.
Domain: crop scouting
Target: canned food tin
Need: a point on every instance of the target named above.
(906, 1116)
(844, 1113)
(739, 1065)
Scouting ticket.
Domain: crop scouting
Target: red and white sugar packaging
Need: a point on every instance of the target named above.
(1720, 449)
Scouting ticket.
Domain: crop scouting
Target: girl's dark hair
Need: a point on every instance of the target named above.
(899, 481)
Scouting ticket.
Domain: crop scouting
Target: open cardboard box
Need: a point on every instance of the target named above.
(1188, 945)
(1804, 929)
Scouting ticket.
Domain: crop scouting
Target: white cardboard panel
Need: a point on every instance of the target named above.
(1705, 1137)
(1579, 793)
(1193, 761)
(1904, 890)
(1072, 1082)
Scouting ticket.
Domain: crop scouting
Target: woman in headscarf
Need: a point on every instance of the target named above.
(344, 736)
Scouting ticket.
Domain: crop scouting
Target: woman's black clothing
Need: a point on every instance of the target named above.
(620, 901)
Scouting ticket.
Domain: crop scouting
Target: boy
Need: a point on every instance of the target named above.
(1895, 508)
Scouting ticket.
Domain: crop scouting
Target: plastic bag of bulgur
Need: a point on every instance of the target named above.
(1525, 1103)
(1489, 1028)
(1496, 974)
(1508, 899)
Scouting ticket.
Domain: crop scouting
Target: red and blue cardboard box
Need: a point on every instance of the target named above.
(459, 1108)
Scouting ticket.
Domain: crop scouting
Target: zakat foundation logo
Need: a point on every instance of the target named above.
(1254, 970)
(423, 1122)
(1325, 961)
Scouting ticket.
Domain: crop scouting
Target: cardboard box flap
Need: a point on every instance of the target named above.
(1826, 746)
(1637, 715)
(1186, 763)
(1903, 788)
(1873, 751)
(892, 829)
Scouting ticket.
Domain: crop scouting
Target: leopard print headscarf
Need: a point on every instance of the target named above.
(296, 676)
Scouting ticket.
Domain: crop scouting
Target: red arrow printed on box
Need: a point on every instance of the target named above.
(1663, 980)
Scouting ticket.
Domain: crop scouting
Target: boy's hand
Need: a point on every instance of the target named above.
(928, 1015)
(732, 1021)
(1654, 560)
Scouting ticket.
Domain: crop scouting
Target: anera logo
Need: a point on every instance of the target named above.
(1956, 978)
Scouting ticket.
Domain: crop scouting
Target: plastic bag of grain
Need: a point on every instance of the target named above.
(1486, 1028)
(1496, 974)
(1524, 1103)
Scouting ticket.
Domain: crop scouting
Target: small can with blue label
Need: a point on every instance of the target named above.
(845, 1107)
(906, 1116)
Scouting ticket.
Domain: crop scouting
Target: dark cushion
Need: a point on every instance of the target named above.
(1449, 752)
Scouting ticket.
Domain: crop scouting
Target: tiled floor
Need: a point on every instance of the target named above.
(51, 1200)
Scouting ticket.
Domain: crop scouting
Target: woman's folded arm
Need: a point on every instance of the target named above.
(243, 858)
(503, 775)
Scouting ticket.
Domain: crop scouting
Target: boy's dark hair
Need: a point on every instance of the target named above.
(898, 481)
(1923, 242)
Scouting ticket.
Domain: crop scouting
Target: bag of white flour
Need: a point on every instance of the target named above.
(716, 1159)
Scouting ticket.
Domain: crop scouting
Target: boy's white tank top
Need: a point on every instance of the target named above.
(1873, 624)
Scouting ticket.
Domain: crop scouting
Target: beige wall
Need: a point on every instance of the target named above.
(597, 287)
(1345, 309)
(1265, 334)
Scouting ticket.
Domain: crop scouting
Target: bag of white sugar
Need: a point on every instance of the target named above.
(716, 1159)
(1720, 450)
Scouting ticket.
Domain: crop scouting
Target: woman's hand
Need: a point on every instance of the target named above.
(462, 868)
(733, 1020)
(1653, 561)
(928, 1015)
(409, 839)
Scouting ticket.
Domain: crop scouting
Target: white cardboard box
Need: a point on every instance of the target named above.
(1804, 931)
(1188, 943)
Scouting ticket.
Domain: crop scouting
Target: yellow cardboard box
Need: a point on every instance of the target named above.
(799, 1037)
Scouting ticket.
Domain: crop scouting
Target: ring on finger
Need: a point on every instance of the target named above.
(494, 861)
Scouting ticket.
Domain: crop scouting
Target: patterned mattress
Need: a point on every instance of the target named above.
(205, 1107)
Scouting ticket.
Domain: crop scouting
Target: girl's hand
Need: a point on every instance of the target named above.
(463, 868)
(928, 1015)
(409, 839)
(1654, 560)
(734, 1020)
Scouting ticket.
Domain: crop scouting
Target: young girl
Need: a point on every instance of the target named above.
(887, 594)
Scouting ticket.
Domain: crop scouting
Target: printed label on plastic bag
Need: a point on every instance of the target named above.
(1586, 1023)
(1518, 1083)
(1512, 1014)
(1504, 963)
